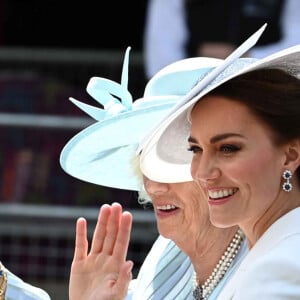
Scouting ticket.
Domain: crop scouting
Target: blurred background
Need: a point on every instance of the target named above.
(48, 52)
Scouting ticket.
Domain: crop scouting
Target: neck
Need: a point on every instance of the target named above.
(207, 250)
(284, 203)
(202, 290)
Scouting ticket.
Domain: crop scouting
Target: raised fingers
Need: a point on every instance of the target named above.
(81, 242)
(112, 228)
(112, 232)
(123, 237)
(101, 228)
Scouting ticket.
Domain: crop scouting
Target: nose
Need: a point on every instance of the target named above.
(204, 169)
(154, 187)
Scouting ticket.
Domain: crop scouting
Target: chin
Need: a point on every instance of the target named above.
(221, 222)
(165, 233)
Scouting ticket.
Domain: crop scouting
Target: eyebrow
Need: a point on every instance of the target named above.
(217, 138)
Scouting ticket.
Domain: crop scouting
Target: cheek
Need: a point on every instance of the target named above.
(193, 167)
(193, 209)
(260, 173)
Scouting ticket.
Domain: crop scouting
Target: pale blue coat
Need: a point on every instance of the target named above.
(167, 273)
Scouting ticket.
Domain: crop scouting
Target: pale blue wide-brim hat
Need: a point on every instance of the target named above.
(163, 152)
(104, 152)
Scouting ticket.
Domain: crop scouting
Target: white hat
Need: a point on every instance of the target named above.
(164, 155)
(104, 152)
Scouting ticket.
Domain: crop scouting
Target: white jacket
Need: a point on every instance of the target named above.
(271, 270)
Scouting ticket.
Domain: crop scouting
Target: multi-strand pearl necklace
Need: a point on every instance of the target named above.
(202, 292)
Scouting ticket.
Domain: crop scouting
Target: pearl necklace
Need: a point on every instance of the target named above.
(202, 292)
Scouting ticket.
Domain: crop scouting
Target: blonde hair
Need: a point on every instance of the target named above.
(143, 196)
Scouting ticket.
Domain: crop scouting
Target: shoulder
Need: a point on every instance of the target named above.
(271, 269)
(275, 274)
(283, 256)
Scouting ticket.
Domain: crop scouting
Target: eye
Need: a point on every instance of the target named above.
(228, 148)
(194, 149)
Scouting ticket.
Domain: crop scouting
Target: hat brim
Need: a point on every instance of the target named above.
(103, 153)
(164, 155)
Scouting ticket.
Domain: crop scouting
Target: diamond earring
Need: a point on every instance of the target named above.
(287, 186)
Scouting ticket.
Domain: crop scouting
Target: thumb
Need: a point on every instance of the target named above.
(124, 278)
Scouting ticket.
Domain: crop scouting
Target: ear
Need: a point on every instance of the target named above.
(292, 152)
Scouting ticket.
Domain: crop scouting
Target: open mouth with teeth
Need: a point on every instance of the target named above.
(166, 208)
(221, 194)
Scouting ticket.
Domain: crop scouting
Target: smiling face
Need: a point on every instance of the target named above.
(179, 208)
(236, 162)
